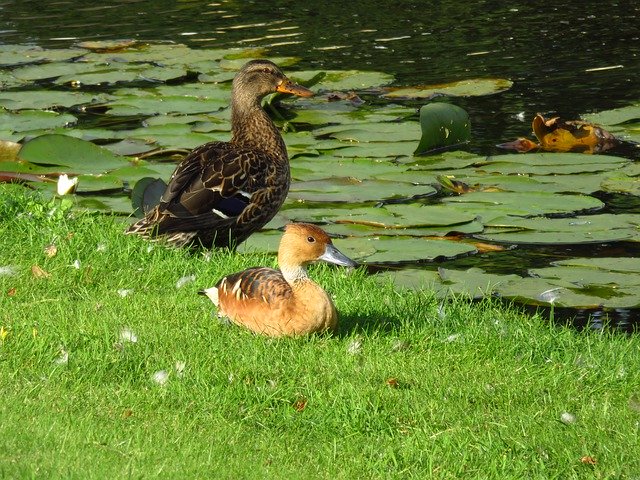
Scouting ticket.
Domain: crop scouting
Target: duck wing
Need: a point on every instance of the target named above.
(220, 184)
(259, 283)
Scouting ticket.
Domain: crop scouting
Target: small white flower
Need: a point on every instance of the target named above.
(550, 295)
(161, 377)
(124, 292)
(180, 366)
(184, 280)
(63, 359)
(8, 271)
(355, 346)
(102, 247)
(519, 116)
(76, 264)
(567, 418)
(453, 338)
(128, 336)
(66, 185)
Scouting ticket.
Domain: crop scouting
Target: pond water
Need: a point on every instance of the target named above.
(569, 59)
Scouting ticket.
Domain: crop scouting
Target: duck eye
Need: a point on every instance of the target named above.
(311, 239)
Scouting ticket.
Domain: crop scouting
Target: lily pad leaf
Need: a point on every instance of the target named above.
(76, 155)
(402, 249)
(146, 195)
(442, 125)
(345, 79)
(461, 88)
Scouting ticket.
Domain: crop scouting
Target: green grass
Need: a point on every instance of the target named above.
(407, 388)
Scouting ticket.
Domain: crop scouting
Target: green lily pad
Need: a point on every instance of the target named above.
(473, 282)
(44, 99)
(616, 116)
(402, 249)
(462, 88)
(154, 105)
(13, 55)
(443, 125)
(316, 168)
(612, 264)
(414, 279)
(345, 79)
(552, 163)
(487, 204)
(118, 204)
(562, 293)
(622, 183)
(75, 155)
(98, 183)
(558, 231)
(375, 150)
(29, 120)
(348, 189)
(372, 132)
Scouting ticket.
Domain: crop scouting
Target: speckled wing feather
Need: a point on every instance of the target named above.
(215, 193)
(259, 283)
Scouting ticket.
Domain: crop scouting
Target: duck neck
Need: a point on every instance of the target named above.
(252, 128)
(294, 274)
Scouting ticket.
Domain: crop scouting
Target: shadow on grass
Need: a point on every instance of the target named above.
(366, 323)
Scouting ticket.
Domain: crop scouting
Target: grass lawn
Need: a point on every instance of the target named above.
(112, 367)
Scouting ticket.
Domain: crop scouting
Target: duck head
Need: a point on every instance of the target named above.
(259, 78)
(303, 243)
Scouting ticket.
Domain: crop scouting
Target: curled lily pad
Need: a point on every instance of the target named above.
(443, 125)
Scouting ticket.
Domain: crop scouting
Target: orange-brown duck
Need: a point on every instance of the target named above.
(284, 302)
(222, 192)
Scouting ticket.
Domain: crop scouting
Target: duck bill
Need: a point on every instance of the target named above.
(287, 86)
(333, 255)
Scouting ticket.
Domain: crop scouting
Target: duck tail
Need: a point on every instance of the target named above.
(145, 227)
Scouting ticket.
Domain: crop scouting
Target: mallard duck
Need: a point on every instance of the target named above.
(284, 302)
(222, 192)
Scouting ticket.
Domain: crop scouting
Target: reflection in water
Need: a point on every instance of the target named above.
(554, 55)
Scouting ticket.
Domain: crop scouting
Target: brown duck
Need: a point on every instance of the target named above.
(284, 302)
(222, 192)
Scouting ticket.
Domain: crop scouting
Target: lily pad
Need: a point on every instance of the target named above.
(372, 132)
(462, 88)
(73, 154)
(443, 125)
(402, 249)
(473, 282)
(345, 79)
(562, 293)
(45, 99)
(487, 204)
(29, 120)
(153, 105)
(349, 189)
(13, 55)
(557, 231)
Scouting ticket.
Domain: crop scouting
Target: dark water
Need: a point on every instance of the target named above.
(556, 53)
